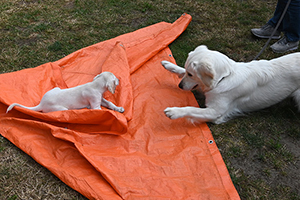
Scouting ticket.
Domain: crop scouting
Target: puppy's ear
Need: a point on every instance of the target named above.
(207, 74)
(111, 85)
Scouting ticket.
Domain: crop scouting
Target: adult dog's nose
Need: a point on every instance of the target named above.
(180, 85)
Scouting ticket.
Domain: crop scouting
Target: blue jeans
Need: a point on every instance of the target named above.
(290, 24)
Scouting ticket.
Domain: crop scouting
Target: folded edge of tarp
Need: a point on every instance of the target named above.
(219, 162)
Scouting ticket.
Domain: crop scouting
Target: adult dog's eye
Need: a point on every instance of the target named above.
(189, 74)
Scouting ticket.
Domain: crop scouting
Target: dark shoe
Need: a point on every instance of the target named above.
(283, 45)
(265, 32)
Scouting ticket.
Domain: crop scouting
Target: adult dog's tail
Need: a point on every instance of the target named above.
(35, 108)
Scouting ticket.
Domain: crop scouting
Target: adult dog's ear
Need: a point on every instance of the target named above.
(111, 85)
(206, 73)
(201, 48)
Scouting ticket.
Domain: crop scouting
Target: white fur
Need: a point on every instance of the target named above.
(233, 88)
(88, 95)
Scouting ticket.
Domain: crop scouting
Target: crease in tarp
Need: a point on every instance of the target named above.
(103, 154)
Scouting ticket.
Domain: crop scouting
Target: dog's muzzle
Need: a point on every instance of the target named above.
(181, 86)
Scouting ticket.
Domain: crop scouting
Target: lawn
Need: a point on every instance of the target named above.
(261, 150)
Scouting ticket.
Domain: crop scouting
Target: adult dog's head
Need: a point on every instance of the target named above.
(205, 69)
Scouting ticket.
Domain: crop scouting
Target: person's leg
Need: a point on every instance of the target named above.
(267, 30)
(290, 25)
(291, 22)
(277, 14)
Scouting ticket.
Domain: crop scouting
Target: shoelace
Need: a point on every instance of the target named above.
(267, 26)
(283, 41)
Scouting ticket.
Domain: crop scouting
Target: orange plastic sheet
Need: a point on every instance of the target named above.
(103, 154)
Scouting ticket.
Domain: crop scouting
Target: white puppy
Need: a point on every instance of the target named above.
(233, 88)
(88, 95)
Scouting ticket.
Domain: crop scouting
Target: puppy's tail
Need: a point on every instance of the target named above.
(35, 108)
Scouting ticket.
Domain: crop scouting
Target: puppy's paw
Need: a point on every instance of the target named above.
(173, 113)
(120, 109)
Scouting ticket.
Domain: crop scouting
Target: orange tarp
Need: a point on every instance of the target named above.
(103, 154)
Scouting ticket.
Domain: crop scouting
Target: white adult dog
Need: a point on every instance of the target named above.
(234, 88)
(88, 95)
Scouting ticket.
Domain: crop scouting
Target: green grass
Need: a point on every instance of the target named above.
(261, 150)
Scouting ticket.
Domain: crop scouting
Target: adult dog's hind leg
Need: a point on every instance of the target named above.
(173, 68)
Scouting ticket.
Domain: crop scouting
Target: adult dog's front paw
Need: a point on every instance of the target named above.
(173, 68)
(165, 63)
(169, 66)
(173, 113)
